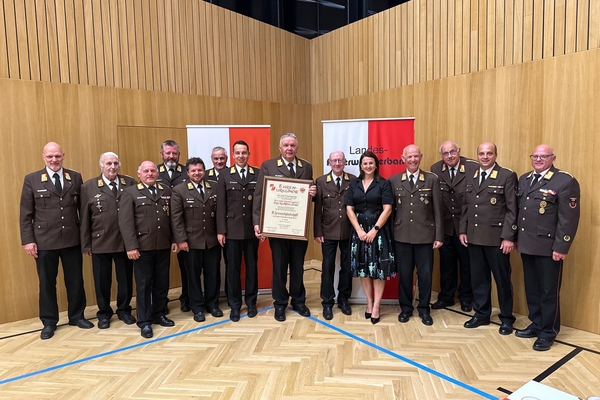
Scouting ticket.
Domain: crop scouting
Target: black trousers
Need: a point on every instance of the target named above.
(183, 297)
(288, 254)
(454, 261)
(235, 250)
(102, 269)
(205, 263)
(151, 272)
(329, 249)
(47, 269)
(486, 259)
(408, 257)
(543, 278)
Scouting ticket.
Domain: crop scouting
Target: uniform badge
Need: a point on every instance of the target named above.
(462, 168)
(543, 204)
(328, 178)
(573, 202)
(211, 173)
(542, 210)
(140, 186)
(100, 182)
(178, 168)
(567, 238)
(249, 197)
(44, 178)
(399, 201)
(279, 162)
(98, 195)
(494, 174)
(493, 200)
(514, 227)
(67, 176)
(122, 181)
(190, 186)
(299, 163)
(426, 202)
(207, 185)
(212, 214)
(161, 168)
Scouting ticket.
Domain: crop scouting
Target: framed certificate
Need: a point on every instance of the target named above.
(285, 208)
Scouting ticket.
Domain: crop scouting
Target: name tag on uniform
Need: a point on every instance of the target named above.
(42, 190)
(142, 197)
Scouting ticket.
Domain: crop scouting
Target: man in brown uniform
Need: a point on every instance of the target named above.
(235, 230)
(418, 229)
(144, 221)
(488, 226)
(287, 254)
(49, 223)
(332, 230)
(171, 174)
(454, 257)
(194, 207)
(548, 219)
(101, 238)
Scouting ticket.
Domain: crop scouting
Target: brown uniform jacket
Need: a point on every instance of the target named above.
(179, 175)
(548, 213)
(145, 222)
(275, 167)
(418, 211)
(234, 203)
(194, 218)
(489, 212)
(330, 219)
(99, 221)
(453, 192)
(212, 177)
(48, 218)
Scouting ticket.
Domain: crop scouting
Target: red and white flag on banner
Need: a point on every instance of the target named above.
(203, 138)
(384, 137)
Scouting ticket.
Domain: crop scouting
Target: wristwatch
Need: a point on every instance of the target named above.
(376, 227)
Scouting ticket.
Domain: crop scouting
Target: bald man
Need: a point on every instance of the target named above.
(548, 218)
(49, 220)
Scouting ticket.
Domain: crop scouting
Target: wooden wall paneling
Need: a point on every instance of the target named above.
(594, 25)
(549, 31)
(12, 40)
(482, 35)
(560, 19)
(421, 43)
(53, 50)
(391, 46)
(194, 47)
(115, 43)
(163, 57)
(444, 38)
(62, 40)
(500, 33)
(538, 29)
(371, 72)
(432, 29)
(71, 37)
(449, 39)
(410, 42)
(244, 57)
(124, 44)
(99, 43)
(167, 28)
(466, 36)
(80, 42)
(493, 20)
(235, 60)
(458, 37)
(130, 23)
(265, 75)
(403, 43)
(138, 21)
(32, 41)
(570, 26)
(384, 48)
(583, 24)
(42, 34)
(4, 67)
(474, 45)
(528, 30)
(155, 44)
(148, 45)
(215, 62)
(179, 72)
(399, 51)
(109, 62)
(509, 29)
(518, 32)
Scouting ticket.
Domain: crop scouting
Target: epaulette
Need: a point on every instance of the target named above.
(140, 186)
(565, 172)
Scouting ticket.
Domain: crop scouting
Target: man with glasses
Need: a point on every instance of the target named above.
(454, 258)
(548, 219)
(488, 226)
(332, 230)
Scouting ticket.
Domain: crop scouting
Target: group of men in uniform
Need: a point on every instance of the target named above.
(474, 212)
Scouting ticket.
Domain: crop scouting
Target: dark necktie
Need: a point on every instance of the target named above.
(451, 174)
(113, 187)
(483, 175)
(292, 172)
(152, 191)
(201, 190)
(57, 183)
(243, 174)
(171, 171)
(536, 179)
(412, 181)
(337, 183)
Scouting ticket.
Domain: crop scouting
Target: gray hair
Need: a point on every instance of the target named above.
(219, 148)
(108, 153)
(288, 135)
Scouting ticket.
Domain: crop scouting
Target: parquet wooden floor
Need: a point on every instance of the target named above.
(302, 358)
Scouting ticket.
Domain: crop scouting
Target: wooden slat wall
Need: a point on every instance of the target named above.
(177, 46)
(423, 40)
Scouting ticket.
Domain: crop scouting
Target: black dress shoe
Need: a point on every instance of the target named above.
(404, 316)
(234, 315)
(199, 317)
(526, 333)
(147, 332)
(475, 322)
(47, 332)
(82, 323)
(506, 328)
(375, 320)
(127, 318)
(185, 307)
(327, 313)
(216, 312)
(345, 307)
(164, 321)
(441, 304)
(104, 323)
(252, 311)
(302, 310)
(465, 306)
(367, 315)
(426, 319)
(542, 344)
(280, 314)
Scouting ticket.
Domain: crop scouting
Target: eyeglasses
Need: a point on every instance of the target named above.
(542, 157)
(452, 152)
(337, 161)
